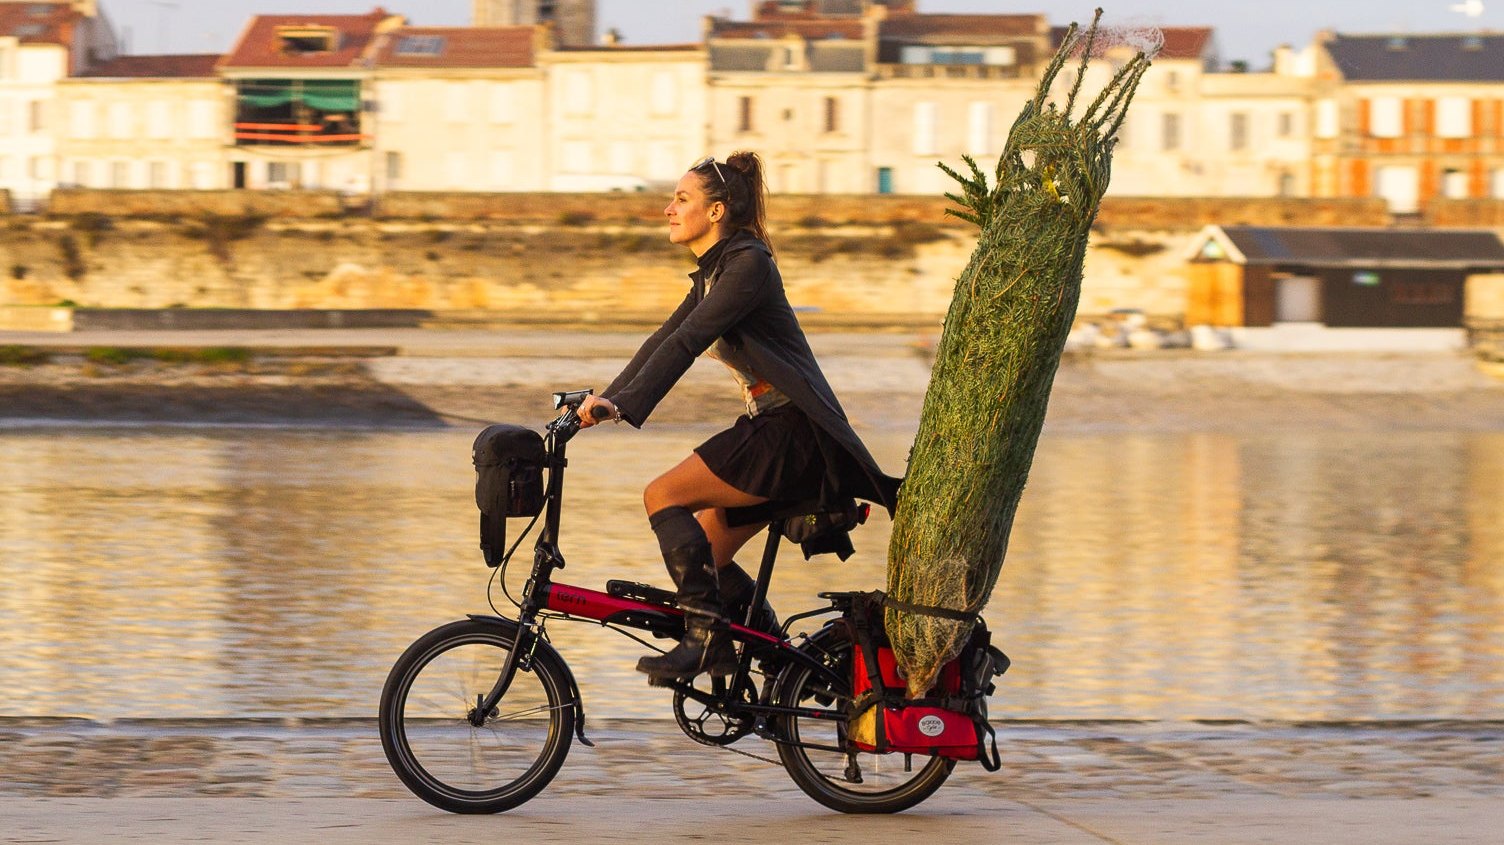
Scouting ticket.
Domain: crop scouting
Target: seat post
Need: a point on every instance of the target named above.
(764, 576)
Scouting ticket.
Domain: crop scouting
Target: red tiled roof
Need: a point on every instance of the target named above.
(810, 30)
(1180, 42)
(162, 67)
(964, 26)
(1185, 42)
(38, 23)
(457, 47)
(260, 46)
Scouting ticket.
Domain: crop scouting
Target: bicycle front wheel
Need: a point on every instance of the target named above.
(856, 782)
(432, 741)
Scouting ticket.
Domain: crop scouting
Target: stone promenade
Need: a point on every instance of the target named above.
(1116, 782)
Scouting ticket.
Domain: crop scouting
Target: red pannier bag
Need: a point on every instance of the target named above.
(949, 721)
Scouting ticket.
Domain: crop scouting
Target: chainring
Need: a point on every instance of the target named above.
(711, 726)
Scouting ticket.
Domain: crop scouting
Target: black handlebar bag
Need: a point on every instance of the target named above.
(509, 461)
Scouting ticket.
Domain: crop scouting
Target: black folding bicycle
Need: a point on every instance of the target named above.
(478, 715)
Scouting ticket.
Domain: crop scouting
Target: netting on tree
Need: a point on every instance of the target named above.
(1004, 334)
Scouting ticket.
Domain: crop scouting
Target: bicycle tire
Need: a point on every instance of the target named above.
(885, 786)
(426, 731)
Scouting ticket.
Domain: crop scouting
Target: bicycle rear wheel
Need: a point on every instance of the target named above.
(428, 736)
(860, 782)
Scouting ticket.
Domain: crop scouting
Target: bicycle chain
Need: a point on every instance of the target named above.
(753, 756)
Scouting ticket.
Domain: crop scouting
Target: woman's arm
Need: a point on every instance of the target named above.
(739, 288)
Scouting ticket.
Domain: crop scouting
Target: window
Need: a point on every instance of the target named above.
(503, 170)
(576, 157)
(157, 175)
(457, 102)
(744, 107)
(159, 119)
(37, 114)
(120, 174)
(38, 168)
(1170, 132)
(1328, 119)
(201, 122)
(302, 40)
(1454, 184)
(885, 180)
(120, 120)
(925, 118)
(457, 170)
(619, 157)
(202, 174)
(503, 103)
(579, 93)
(832, 114)
(1386, 117)
(81, 119)
(420, 45)
(664, 94)
(83, 174)
(284, 174)
(390, 103)
(979, 129)
(1285, 125)
(1237, 132)
(393, 166)
(1454, 117)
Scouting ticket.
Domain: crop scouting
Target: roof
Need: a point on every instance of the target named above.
(457, 47)
(1185, 42)
(38, 23)
(1179, 42)
(261, 46)
(1477, 57)
(161, 67)
(965, 27)
(1374, 247)
(809, 30)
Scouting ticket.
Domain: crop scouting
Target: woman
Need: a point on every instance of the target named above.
(794, 442)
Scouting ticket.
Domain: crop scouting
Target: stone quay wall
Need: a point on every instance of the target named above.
(577, 257)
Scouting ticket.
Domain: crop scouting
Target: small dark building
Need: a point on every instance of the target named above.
(1348, 278)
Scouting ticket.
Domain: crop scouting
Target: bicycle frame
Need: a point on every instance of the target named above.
(543, 598)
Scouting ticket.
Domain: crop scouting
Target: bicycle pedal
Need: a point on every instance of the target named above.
(641, 592)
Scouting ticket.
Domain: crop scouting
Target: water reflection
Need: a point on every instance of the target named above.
(279, 572)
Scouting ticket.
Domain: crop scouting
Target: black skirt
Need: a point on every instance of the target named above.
(775, 454)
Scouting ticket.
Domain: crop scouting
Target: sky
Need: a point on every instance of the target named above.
(1247, 30)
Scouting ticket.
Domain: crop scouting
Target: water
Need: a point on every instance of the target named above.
(175, 572)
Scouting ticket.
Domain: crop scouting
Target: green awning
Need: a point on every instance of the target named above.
(329, 95)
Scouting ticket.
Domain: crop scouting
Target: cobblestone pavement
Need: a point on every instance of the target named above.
(1042, 761)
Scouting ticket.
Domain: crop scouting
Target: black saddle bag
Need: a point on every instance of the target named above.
(509, 461)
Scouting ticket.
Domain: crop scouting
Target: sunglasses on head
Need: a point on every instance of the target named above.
(710, 160)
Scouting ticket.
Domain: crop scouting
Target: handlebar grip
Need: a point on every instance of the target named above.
(599, 412)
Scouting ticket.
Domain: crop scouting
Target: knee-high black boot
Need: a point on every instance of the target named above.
(737, 588)
(706, 646)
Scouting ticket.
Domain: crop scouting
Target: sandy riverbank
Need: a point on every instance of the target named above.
(880, 379)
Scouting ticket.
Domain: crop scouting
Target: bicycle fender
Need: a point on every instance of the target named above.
(515, 631)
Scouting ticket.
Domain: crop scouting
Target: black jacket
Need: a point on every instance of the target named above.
(747, 306)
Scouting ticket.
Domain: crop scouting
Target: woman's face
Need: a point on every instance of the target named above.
(692, 220)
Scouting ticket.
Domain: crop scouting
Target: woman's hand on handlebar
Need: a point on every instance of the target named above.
(596, 409)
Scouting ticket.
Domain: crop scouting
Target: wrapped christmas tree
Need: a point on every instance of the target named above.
(1004, 334)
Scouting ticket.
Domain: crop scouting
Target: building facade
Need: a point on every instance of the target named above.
(457, 109)
(303, 104)
(839, 96)
(40, 45)
(1410, 118)
(144, 122)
